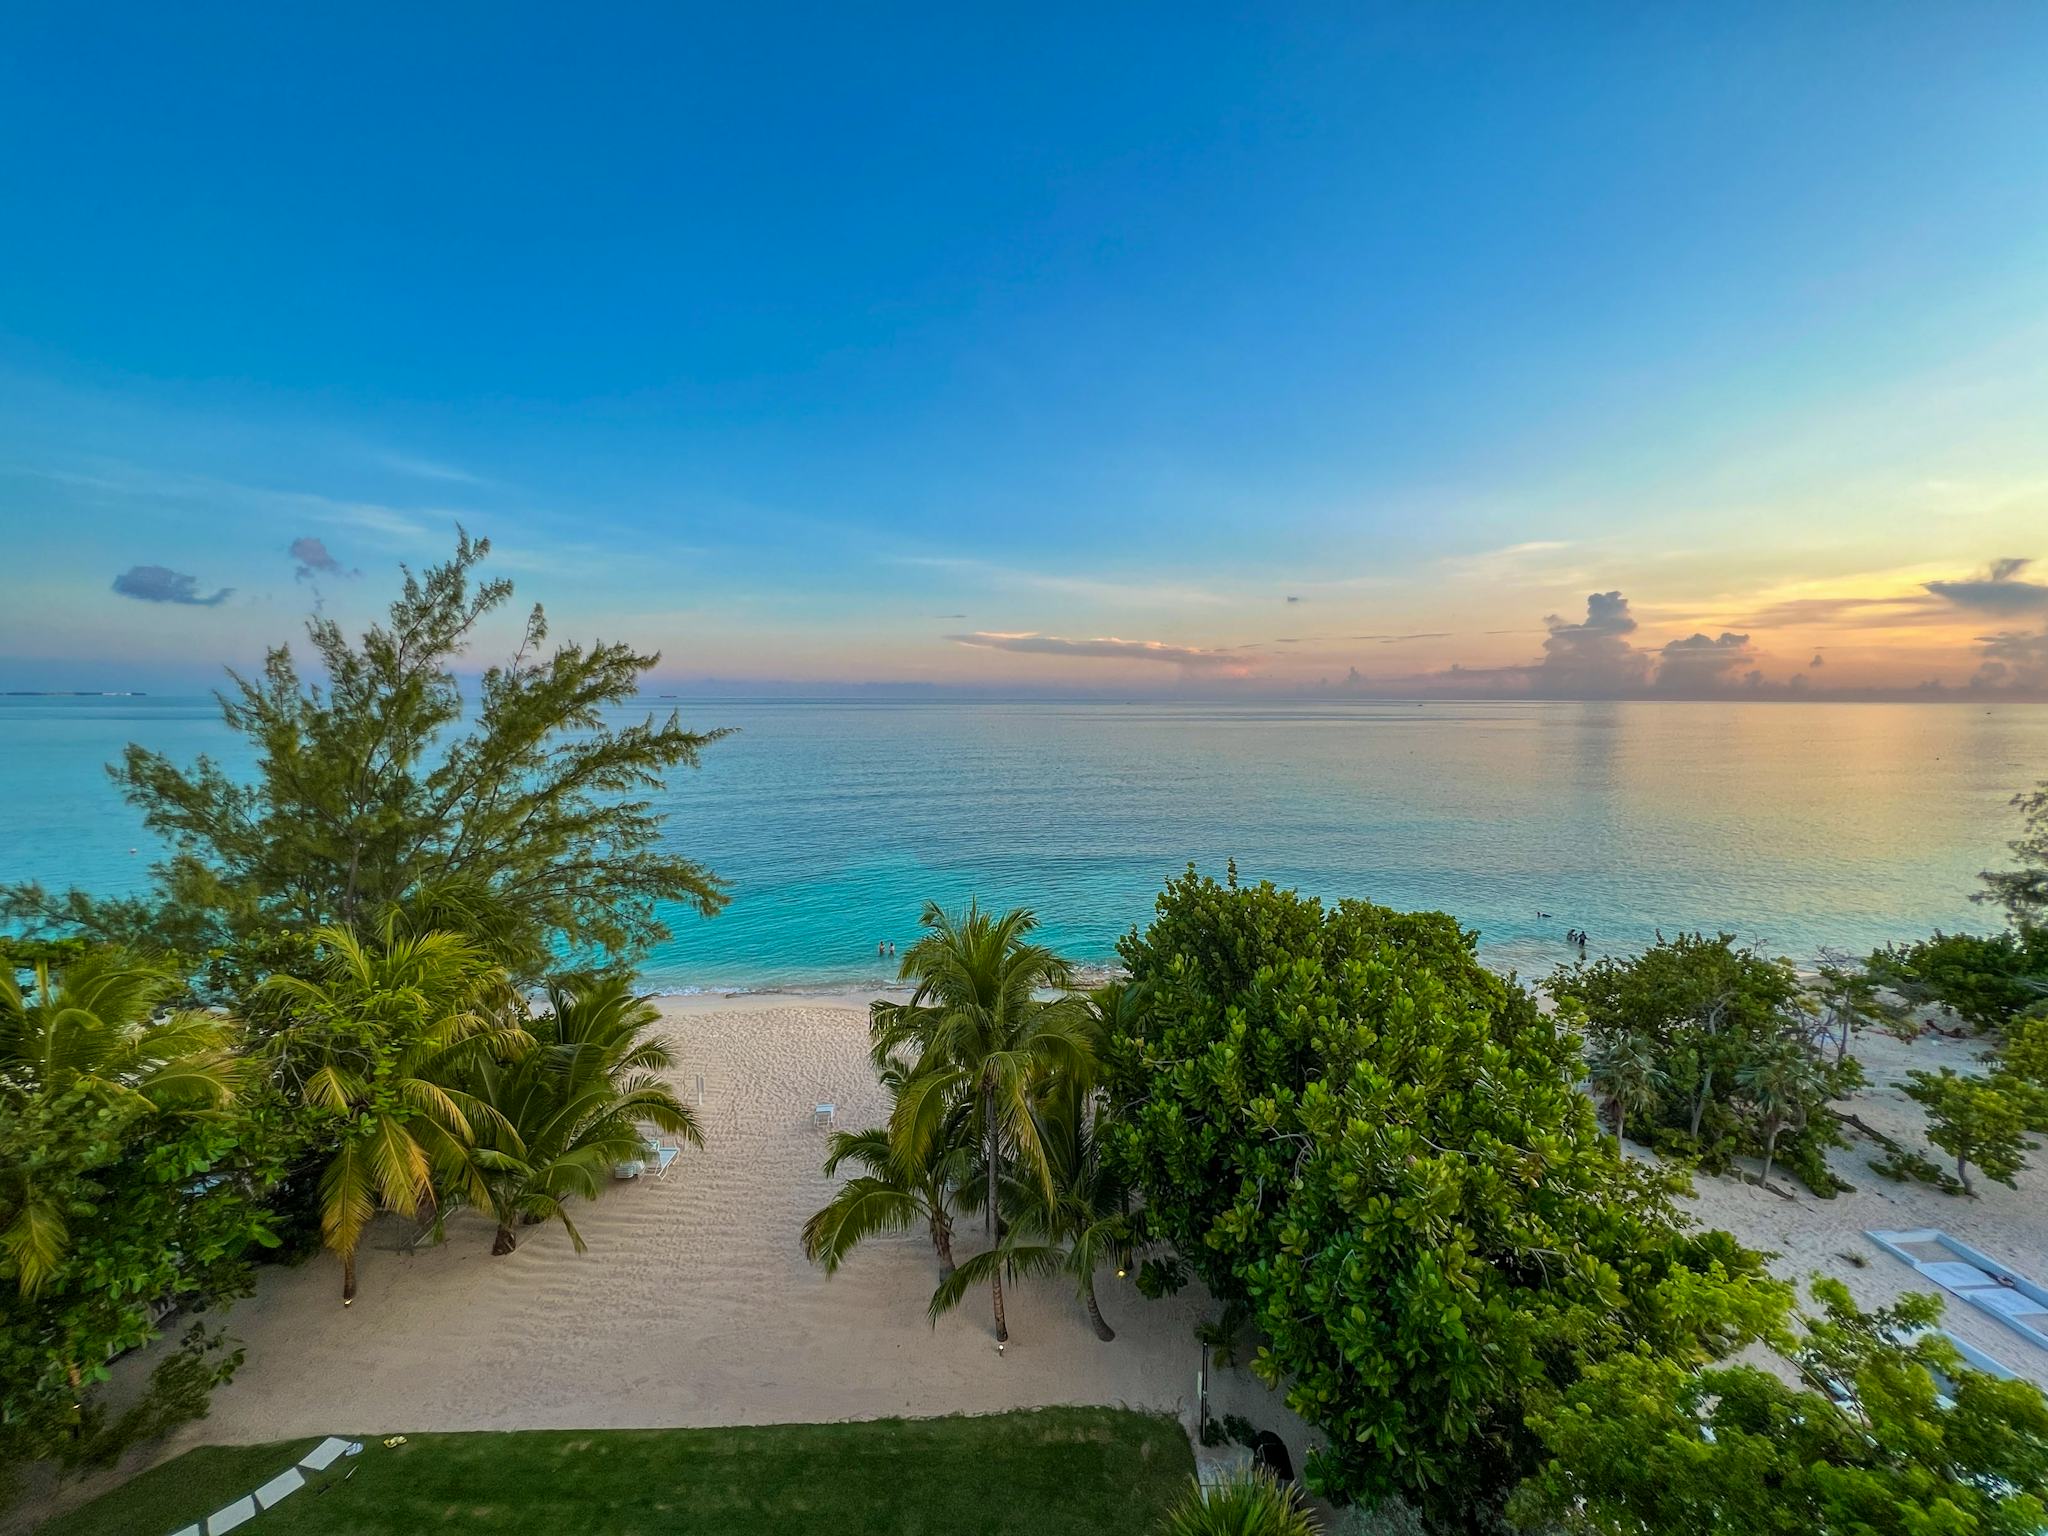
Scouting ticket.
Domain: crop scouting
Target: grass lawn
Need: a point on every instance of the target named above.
(1070, 1471)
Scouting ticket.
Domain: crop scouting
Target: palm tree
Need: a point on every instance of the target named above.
(1781, 1080)
(1084, 1224)
(568, 1107)
(378, 1047)
(985, 1039)
(1626, 1079)
(1248, 1503)
(98, 1029)
(895, 1193)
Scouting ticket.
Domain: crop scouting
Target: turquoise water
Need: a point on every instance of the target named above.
(1799, 825)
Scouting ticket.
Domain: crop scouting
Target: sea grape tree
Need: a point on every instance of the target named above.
(1346, 1125)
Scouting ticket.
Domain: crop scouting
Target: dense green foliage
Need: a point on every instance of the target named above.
(1986, 982)
(1058, 1472)
(2023, 891)
(1907, 1443)
(1977, 1121)
(1345, 1124)
(519, 825)
(131, 1179)
(1711, 1051)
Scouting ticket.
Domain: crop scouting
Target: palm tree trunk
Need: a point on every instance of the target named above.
(1102, 1329)
(348, 1278)
(1620, 1120)
(1770, 1151)
(996, 1280)
(942, 1245)
(1963, 1173)
(507, 1240)
(988, 1211)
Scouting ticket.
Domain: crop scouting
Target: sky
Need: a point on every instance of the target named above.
(1584, 351)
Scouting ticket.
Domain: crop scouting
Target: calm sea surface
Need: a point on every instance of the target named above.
(1799, 825)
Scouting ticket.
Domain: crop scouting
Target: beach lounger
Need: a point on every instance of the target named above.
(821, 1117)
(290, 1480)
(664, 1157)
(326, 1453)
(1991, 1287)
(241, 1512)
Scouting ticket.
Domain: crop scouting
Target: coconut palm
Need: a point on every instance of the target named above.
(99, 1029)
(377, 1046)
(982, 1038)
(1248, 1503)
(101, 1025)
(1625, 1078)
(895, 1193)
(567, 1107)
(1084, 1224)
(1781, 1080)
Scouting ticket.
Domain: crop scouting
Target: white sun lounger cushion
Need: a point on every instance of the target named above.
(325, 1454)
(1956, 1275)
(290, 1480)
(2008, 1303)
(241, 1512)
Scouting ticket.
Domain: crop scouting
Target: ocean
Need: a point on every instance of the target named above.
(1794, 825)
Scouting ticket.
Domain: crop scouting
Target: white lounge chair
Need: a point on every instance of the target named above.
(821, 1117)
(664, 1158)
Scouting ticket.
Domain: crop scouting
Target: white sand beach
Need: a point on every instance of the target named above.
(695, 1306)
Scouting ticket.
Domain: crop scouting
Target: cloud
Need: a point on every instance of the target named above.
(1999, 590)
(1430, 634)
(1818, 660)
(315, 561)
(1106, 648)
(429, 469)
(1166, 594)
(160, 584)
(1293, 598)
(2013, 661)
(1702, 665)
(1855, 612)
(1534, 559)
(1591, 658)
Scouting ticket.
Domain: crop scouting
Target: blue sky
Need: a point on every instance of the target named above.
(1179, 347)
